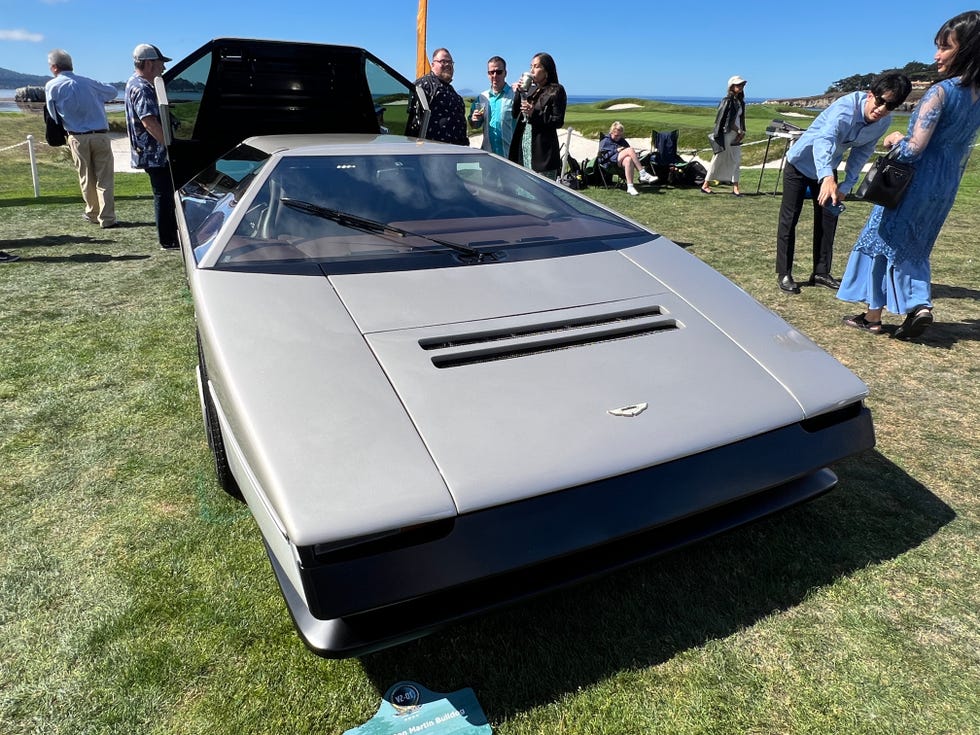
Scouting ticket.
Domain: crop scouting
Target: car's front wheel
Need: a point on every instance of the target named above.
(212, 428)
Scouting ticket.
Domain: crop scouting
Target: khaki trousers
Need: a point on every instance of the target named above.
(92, 154)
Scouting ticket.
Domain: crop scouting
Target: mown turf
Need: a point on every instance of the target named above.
(136, 597)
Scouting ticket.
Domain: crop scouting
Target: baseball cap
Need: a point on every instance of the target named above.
(735, 80)
(148, 52)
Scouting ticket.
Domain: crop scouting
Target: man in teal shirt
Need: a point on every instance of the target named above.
(492, 110)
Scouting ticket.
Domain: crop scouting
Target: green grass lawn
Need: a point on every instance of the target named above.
(135, 597)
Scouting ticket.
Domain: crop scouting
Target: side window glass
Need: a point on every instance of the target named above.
(184, 93)
(390, 97)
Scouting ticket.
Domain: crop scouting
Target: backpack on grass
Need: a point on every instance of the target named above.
(574, 177)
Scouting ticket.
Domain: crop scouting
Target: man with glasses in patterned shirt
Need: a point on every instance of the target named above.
(855, 121)
(447, 119)
(492, 110)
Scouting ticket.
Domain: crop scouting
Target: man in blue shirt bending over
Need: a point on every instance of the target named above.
(855, 121)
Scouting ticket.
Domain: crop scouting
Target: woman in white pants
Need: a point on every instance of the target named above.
(727, 138)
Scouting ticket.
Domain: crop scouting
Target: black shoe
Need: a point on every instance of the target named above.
(787, 284)
(170, 247)
(824, 279)
(111, 226)
(8, 258)
(915, 323)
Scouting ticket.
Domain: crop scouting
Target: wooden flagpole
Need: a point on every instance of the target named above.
(421, 58)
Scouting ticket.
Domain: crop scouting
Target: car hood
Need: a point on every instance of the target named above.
(524, 378)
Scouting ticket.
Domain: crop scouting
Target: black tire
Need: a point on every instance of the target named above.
(226, 480)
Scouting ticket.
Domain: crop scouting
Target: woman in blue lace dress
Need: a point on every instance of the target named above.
(889, 266)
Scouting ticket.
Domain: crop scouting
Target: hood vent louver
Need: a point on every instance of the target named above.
(471, 347)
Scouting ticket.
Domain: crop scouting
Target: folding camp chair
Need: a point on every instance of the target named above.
(607, 171)
(667, 163)
(566, 149)
(665, 160)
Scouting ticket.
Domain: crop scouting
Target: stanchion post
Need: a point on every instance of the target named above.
(765, 160)
(30, 150)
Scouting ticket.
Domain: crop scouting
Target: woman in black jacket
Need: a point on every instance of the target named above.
(727, 138)
(539, 112)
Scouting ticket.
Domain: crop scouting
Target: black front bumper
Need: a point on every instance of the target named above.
(497, 556)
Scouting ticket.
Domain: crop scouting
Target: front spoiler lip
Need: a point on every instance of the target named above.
(363, 632)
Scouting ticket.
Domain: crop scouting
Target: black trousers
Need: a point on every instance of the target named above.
(163, 204)
(824, 224)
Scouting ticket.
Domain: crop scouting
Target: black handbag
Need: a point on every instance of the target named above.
(717, 142)
(886, 181)
(54, 131)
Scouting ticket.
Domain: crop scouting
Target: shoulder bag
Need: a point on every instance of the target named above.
(886, 181)
(54, 131)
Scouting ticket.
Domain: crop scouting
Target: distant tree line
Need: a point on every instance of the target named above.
(12, 79)
(914, 70)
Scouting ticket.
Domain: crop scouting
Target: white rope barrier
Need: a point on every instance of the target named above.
(15, 145)
(29, 142)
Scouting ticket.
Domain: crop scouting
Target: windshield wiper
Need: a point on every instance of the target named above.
(376, 228)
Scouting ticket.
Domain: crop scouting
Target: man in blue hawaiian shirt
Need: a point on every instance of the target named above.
(146, 138)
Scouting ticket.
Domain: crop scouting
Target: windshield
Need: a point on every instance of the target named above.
(332, 209)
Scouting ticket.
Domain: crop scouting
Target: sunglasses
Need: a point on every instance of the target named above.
(494, 72)
(887, 104)
(444, 62)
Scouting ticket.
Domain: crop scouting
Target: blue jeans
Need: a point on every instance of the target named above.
(163, 204)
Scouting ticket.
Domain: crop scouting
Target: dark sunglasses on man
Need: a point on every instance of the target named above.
(887, 104)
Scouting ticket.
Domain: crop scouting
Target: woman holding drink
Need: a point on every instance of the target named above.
(539, 110)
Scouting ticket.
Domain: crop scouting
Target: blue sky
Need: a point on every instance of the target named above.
(668, 48)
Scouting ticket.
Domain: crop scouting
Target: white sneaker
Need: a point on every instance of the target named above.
(631, 190)
(647, 178)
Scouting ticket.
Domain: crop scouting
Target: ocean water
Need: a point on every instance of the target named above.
(7, 103)
(578, 99)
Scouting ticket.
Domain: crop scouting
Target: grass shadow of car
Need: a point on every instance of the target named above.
(45, 200)
(648, 614)
(81, 258)
(53, 241)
